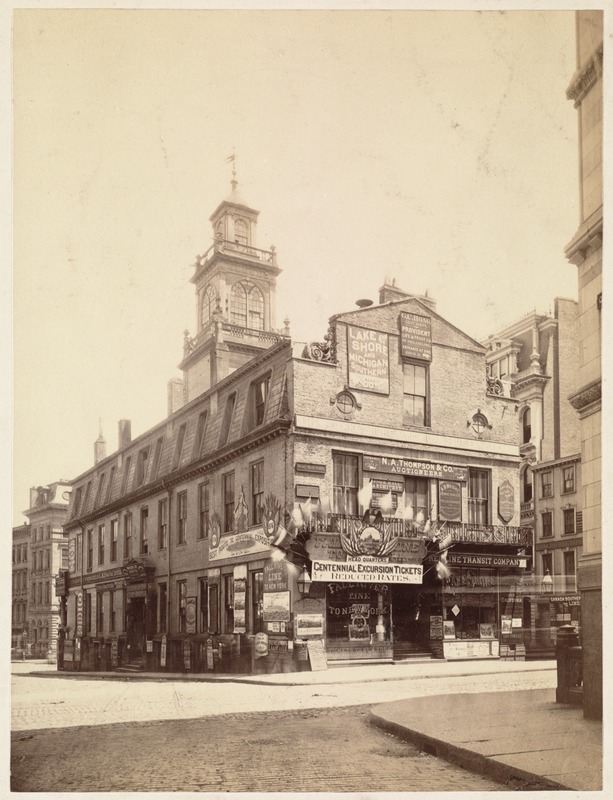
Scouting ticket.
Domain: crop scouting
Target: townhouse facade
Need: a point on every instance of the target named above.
(40, 552)
(349, 499)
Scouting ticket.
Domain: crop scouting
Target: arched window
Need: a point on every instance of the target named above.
(240, 231)
(526, 427)
(247, 306)
(208, 305)
(527, 485)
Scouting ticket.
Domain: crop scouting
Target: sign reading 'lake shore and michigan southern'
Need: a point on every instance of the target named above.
(368, 360)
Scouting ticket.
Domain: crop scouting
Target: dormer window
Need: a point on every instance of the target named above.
(240, 232)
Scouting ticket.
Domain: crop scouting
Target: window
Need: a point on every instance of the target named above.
(415, 395)
(227, 419)
(162, 524)
(181, 517)
(77, 501)
(114, 527)
(203, 510)
(208, 305)
(416, 496)
(228, 583)
(141, 466)
(100, 544)
(39, 593)
(568, 479)
(182, 601)
(569, 520)
(101, 482)
(257, 491)
(345, 476)
(126, 475)
(162, 605)
(203, 605)
(99, 613)
(144, 524)
(526, 426)
(228, 501)
(258, 392)
(33, 593)
(240, 231)
(257, 599)
(179, 446)
(527, 485)
(503, 367)
(200, 432)
(569, 571)
(547, 562)
(47, 592)
(88, 489)
(478, 496)
(214, 608)
(79, 559)
(156, 457)
(90, 550)
(87, 612)
(109, 490)
(127, 536)
(547, 523)
(546, 484)
(112, 611)
(247, 306)
(64, 557)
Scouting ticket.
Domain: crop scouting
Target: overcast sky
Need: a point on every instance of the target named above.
(437, 148)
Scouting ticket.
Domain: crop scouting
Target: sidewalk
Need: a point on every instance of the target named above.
(523, 739)
(400, 671)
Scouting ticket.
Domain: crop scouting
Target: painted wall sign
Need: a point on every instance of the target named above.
(425, 469)
(450, 501)
(358, 572)
(275, 578)
(368, 360)
(506, 501)
(190, 615)
(415, 336)
(240, 544)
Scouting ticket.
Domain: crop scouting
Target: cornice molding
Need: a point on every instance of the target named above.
(586, 396)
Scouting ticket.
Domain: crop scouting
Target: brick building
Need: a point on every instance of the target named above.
(536, 360)
(301, 495)
(585, 250)
(40, 551)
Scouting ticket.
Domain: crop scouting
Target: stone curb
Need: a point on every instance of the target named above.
(513, 778)
(157, 677)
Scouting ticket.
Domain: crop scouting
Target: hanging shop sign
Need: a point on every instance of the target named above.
(275, 578)
(506, 501)
(450, 501)
(368, 360)
(240, 544)
(415, 336)
(423, 469)
(72, 556)
(190, 614)
(61, 584)
(369, 572)
(275, 606)
(79, 625)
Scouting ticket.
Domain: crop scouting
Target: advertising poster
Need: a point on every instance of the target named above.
(449, 629)
(368, 360)
(505, 625)
(190, 615)
(240, 599)
(436, 627)
(276, 607)
(486, 630)
(309, 625)
(261, 645)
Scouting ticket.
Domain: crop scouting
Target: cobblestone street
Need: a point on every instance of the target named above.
(323, 750)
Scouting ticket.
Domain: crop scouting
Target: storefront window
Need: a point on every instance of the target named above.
(470, 604)
(358, 613)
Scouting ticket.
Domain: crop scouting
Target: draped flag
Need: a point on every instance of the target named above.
(365, 495)
(386, 503)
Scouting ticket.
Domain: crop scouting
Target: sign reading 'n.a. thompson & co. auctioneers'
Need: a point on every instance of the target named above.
(405, 466)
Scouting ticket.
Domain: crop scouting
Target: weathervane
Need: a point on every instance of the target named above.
(232, 159)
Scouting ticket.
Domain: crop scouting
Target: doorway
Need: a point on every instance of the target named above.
(407, 623)
(135, 627)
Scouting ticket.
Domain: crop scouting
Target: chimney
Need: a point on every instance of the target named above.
(176, 395)
(33, 496)
(390, 293)
(125, 433)
(99, 446)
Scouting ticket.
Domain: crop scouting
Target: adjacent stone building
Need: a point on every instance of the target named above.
(585, 250)
(355, 498)
(536, 360)
(40, 552)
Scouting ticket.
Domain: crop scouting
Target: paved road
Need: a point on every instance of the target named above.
(314, 750)
(39, 703)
